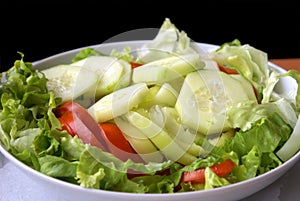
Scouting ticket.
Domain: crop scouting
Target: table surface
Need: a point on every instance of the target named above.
(13, 181)
(291, 63)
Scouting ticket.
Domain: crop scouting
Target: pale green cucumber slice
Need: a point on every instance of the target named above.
(148, 100)
(139, 142)
(160, 138)
(118, 102)
(220, 140)
(210, 64)
(163, 95)
(70, 82)
(167, 69)
(167, 118)
(109, 80)
(113, 73)
(177, 83)
(292, 145)
(166, 95)
(126, 76)
(153, 75)
(203, 100)
(249, 89)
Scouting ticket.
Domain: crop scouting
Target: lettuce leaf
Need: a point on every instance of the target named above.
(247, 60)
(56, 166)
(243, 115)
(25, 115)
(97, 169)
(84, 53)
(267, 134)
(168, 41)
(212, 180)
(256, 147)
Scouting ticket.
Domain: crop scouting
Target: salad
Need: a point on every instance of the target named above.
(168, 117)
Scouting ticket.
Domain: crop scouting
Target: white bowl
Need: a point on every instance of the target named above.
(74, 192)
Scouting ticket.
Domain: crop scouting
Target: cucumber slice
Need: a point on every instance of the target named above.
(114, 73)
(125, 80)
(249, 89)
(160, 138)
(292, 145)
(166, 117)
(211, 65)
(220, 140)
(177, 84)
(166, 95)
(163, 95)
(118, 102)
(167, 69)
(139, 142)
(148, 100)
(203, 100)
(69, 82)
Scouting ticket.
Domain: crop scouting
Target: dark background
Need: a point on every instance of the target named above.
(40, 30)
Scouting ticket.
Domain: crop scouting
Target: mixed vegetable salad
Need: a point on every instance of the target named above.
(168, 117)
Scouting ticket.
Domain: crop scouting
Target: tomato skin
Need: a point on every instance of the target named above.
(67, 106)
(118, 144)
(65, 126)
(224, 168)
(77, 121)
(135, 64)
(227, 70)
(107, 136)
(198, 176)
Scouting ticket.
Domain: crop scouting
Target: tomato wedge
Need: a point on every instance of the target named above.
(65, 126)
(197, 176)
(77, 121)
(227, 70)
(118, 144)
(135, 64)
(107, 136)
(68, 106)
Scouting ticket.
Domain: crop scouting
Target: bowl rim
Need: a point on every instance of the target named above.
(203, 47)
(285, 166)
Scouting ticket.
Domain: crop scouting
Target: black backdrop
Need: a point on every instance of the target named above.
(43, 29)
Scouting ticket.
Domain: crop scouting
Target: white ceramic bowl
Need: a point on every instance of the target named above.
(74, 192)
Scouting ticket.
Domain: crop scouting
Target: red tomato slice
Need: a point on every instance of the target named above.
(67, 106)
(197, 176)
(135, 64)
(65, 126)
(118, 144)
(77, 121)
(227, 70)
